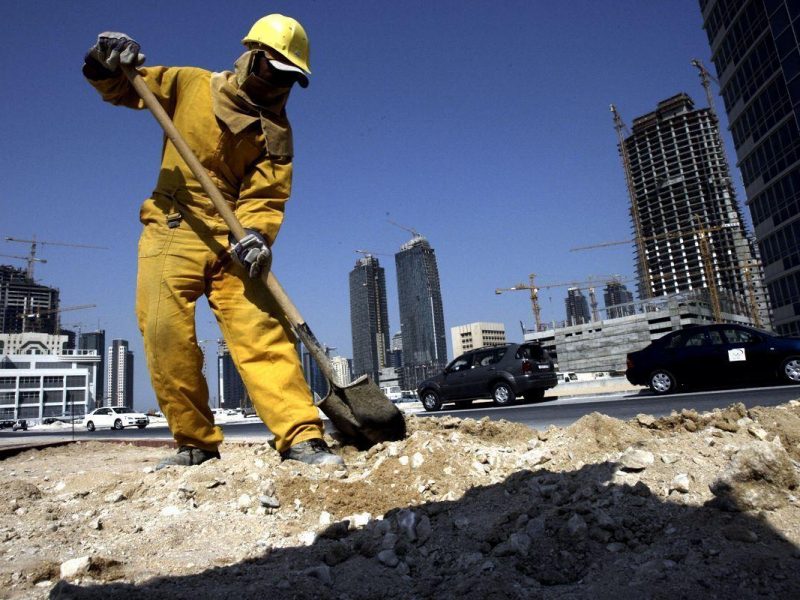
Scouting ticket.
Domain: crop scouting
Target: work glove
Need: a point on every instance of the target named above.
(252, 252)
(113, 48)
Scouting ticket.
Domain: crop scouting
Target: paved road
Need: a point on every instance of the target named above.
(552, 411)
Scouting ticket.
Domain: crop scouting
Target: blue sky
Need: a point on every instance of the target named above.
(484, 125)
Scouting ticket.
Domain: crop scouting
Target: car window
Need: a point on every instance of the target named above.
(102, 411)
(485, 358)
(695, 339)
(739, 336)
(673, 340)
(461, 363)
(716, 337)
(531, 352)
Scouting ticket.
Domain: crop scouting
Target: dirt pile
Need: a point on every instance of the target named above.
(690, 505)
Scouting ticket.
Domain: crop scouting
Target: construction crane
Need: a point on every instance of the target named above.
(622, 130)
(32, 259)
(534, 292)
(413, 232)
(38, 314)
(29, 259)
(701, 233)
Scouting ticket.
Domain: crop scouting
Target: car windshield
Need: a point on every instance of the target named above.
(531, 352)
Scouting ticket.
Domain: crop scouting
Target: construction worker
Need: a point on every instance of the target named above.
(236, 125)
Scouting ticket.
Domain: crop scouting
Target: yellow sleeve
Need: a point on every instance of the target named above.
(162, 81)
(263, 195)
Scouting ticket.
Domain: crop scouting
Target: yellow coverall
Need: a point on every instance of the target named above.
(179, 264)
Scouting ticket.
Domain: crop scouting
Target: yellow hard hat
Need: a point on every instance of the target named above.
(284, 35)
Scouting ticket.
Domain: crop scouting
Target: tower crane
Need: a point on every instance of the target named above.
(38, 314)
(701, 233)
(29, 259)
(534, 291)
(32, 259)
(413, 232)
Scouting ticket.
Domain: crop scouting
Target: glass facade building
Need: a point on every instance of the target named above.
(421, 312)
(26, 306)
(369, 317)
(618, 300)
(577, 307)
(755, 47)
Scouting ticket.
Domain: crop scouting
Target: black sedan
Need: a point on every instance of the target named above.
(713, 356)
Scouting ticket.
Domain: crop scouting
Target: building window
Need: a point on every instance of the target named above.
(53, 381)
(29, 398)
(7, 383)
(76, 381)
(29, 382)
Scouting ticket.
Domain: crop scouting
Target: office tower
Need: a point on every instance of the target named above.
(96, 341)
(421, 312)
(618, 300)
(577, 307)
(119, 378)
(686, 220)
(755, 49)
(369, 317)
(230, 386)
(26, 306)
(476, 335)
(313, 375)
(394, 358)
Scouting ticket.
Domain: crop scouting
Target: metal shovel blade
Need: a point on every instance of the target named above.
(362, 412)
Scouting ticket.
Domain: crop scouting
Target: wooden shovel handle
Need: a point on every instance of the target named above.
(152, 103)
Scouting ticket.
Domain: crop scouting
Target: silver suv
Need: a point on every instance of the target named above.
(502, 373)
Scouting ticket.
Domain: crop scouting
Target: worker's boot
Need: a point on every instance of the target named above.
(312, 452)
(188, 456)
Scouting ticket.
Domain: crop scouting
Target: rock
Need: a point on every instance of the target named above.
(645, 420)
(407, 524)
(171, 511)
(244, 502)
(757, 432)
(576, 527)
(424, 529)
(636, 459)
(388, 558)
(759, 476)
(738, 533)
(669, 459)
(307, 538)
(114, 497)
(269, 501)
(321, 572)
(96, 524)
(75, 567)
(403, 460)
(536, 456)
(416, 460)
(325, 518)
(680, 483)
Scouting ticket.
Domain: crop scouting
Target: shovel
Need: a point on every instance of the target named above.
(360, 411)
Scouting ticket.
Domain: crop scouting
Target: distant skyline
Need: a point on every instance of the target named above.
(483, 125)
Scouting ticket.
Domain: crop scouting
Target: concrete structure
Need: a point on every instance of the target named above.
(369, 317)
(577, 307)
(476, 335)
(21, 302)
(119, 375)
(421, 312)
(603, 345)
(684, 210)
(38, 385)
(755, 46)
(32, 343)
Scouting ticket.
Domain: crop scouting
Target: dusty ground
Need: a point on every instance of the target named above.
(687, 506)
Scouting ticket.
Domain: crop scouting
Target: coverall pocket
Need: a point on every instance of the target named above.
(154, 241)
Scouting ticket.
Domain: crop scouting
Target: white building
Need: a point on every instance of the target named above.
(119, 376)
(476, 335)
(35, 384)
(341, 369)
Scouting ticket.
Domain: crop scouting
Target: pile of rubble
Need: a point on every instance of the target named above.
(682, 506)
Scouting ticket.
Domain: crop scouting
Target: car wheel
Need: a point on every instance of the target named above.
(118, 424)
(534, 395)
(503, 395)
(431, 401)
(662, 382)
(791, 369)
(90, 426)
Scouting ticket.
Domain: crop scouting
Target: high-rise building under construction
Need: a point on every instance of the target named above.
(686, 221)
(421, 311)
(755, 46)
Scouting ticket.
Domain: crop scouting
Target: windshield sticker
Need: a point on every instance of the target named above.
(736, 354)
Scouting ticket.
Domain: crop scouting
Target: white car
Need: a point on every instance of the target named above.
(115, 418)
